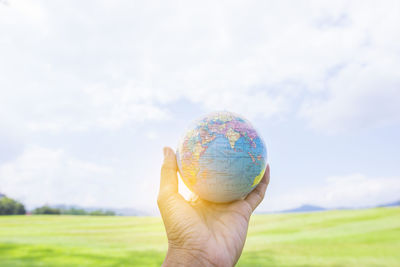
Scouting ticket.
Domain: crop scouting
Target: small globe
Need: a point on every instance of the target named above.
(221, 157)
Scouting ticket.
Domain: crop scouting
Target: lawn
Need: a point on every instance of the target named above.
(369, 237)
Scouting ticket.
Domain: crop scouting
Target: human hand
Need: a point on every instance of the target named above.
(202, 233)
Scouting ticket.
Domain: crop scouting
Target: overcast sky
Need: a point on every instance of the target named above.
(90, 92)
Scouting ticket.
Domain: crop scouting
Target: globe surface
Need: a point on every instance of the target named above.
(221, 157)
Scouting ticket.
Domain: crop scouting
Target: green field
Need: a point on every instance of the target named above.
(368, 237)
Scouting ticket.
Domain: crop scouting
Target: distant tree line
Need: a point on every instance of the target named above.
(9, 206)
(71, 211)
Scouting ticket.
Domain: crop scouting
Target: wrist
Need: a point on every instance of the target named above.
(185, 257)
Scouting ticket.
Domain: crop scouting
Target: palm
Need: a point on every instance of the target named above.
(218, 231)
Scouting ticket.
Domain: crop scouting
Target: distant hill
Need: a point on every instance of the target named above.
(312, 208)
(392, 204)
(2, 195)
(304, 208)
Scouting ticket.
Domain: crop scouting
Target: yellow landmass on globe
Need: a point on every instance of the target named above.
(258, 178)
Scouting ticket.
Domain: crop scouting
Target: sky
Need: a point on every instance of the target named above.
(91, 91)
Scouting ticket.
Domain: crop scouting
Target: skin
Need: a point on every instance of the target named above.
(202, 233)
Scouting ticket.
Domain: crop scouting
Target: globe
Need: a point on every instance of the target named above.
(221, 157)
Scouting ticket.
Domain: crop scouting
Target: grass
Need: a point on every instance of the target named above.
(368, 237)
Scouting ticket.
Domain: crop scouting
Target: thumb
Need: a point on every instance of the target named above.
(169, 178)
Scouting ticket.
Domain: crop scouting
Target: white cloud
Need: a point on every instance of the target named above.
(354, 190)
(72, 69)
(363, 90)
(42, 175)
(152, 135)
(52, 176)
(361, 96)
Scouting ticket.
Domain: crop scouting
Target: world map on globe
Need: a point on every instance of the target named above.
(221, 157)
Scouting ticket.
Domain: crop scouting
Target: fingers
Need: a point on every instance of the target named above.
(257, 195)
(169, 178)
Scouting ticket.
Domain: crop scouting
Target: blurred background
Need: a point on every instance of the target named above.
(91, 91)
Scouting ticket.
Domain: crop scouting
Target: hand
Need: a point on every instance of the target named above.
(202, 233)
